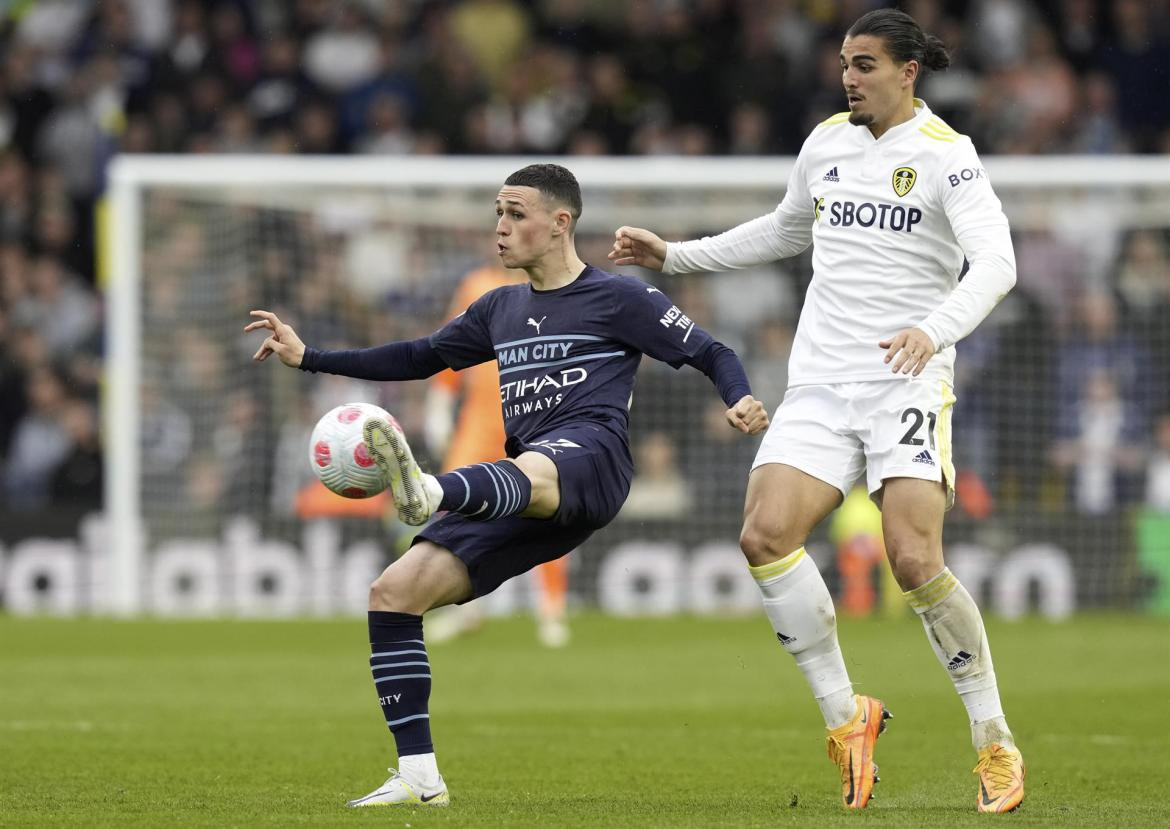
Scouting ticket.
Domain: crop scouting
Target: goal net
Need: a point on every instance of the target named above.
(212, 506)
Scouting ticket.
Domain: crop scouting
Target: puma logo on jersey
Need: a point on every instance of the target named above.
(536, 324)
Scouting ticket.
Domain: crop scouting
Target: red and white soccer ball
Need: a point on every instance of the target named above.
(338, 455)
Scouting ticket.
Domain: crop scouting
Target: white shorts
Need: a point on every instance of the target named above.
(890, 428)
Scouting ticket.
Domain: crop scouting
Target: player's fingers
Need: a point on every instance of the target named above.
(271, 346)
(895, 345)
(753, 412)
(917, 358)
(252, 326)
(267, 315)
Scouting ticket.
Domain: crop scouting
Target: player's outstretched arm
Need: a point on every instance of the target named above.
(636, 246)
(783, 232)
(283, 341)
(659, 329)
(406, 360)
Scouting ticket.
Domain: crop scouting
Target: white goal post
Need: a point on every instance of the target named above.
(667, 194)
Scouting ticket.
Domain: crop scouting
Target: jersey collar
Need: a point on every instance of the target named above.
(922, 114)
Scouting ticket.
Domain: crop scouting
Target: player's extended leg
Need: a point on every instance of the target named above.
(484, 491)
(912, 520)
(427, 576)
(783, 505)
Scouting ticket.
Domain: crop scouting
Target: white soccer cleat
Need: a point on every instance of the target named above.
(553, 633)
(415, 501)
(453, 621)
(397, 790)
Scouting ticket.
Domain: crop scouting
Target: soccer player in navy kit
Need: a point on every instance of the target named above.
(567, 345)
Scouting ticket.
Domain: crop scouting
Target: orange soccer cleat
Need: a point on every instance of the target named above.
(851, 748)
(1001, 778)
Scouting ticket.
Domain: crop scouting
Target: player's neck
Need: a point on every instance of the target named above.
(555, 270)
(903, 114)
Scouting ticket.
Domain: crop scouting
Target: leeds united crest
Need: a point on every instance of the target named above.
(904, 178)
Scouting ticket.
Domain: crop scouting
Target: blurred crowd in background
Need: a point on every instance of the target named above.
(83, 81)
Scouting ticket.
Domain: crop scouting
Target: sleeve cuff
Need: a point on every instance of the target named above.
(670, 261)
(935, 337)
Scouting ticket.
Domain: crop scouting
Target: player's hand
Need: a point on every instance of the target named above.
(283, 342)
(910, 350)
(635, 246)
(748, 416)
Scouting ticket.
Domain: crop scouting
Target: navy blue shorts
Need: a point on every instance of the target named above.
(595, 470)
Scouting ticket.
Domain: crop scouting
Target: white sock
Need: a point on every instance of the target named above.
(954, 627)
(420, 769)
(433, 489)
(801, 612)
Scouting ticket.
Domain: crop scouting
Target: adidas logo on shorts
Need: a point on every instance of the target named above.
(924, 457)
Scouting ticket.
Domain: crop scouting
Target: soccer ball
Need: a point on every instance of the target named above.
(338, 455)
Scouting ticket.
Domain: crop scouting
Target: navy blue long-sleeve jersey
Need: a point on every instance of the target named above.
(565, 355)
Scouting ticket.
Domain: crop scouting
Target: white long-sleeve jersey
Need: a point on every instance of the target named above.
(891, 221)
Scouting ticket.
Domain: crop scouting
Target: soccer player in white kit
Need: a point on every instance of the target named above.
(892, 200)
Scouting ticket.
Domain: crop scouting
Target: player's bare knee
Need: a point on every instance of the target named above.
(389, 593)
(762, 545)
(914, 564)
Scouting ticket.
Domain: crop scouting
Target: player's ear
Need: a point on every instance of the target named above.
(562, 222)
(910, 71)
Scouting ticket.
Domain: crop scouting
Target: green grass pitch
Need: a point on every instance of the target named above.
(666, 722)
